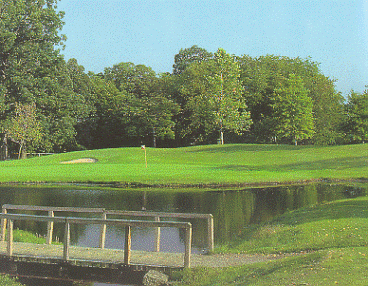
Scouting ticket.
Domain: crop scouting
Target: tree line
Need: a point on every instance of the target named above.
(48, 104)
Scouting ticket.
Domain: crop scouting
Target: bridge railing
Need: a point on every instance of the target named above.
(128, 224)
(51, 213)
(157, 216)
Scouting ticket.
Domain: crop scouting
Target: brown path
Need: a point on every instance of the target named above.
(42, 251)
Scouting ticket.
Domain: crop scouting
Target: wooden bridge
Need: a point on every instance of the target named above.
(92, 264)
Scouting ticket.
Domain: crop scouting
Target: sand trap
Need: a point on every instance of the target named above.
(83, 160)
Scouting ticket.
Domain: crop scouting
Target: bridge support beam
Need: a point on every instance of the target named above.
(66, 241)
(128, 245)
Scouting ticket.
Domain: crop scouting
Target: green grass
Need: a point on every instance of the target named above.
(214, 164)
(327, 245)
(347, 266)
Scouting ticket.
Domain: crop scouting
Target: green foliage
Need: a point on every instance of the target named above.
(24, 127)
(33, 71)
(212, 99)
(263, 75)
(186, 57)
(356, 122)
(5, 280)
(293, 111)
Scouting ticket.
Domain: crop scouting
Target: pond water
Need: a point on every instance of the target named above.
(233, 210)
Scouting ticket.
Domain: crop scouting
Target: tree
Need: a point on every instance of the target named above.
(185, 57)
(33, 71)
(262, 76)
(356, 122)
(293, 110)
(24, 128)
(134, 79)
(152, 115)
(213, 100)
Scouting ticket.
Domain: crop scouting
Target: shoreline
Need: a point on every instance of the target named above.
(136, 185)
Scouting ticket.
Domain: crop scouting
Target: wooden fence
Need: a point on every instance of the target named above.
(157, 216)
(10, 218)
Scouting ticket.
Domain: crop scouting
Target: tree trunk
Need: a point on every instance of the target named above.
(22, 151)
(154, 138)
(4, 149)
(222, 137)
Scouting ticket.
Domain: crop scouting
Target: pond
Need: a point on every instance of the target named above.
(233, 210)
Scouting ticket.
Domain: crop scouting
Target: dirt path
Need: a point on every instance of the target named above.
(138, 257)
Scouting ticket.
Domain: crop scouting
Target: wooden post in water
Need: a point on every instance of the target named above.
(211, 235)
(157, 235)
(9, 247)
(66, 240)
(3, 224)
(103, 232)
(188, 245)
(128, 245)
(50, 228)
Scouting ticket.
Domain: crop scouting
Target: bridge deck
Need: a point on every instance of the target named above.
(110, 257)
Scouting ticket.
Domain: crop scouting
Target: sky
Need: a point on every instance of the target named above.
(333, 33)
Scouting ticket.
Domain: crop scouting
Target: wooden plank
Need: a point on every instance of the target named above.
(188, 246)
(128, 245)
(211, 234)
(3, 225)
(55, 209)
(50, 228)
(102, 233)
(157, 236)
(66, 241)
(9, 248)
(157, 214)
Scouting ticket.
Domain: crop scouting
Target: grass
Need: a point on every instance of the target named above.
(328, 244)
(220, 165)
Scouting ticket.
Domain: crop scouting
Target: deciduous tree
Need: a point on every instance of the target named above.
(293, 110)
(24, 127)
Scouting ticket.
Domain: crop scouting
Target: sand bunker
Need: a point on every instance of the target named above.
(83, 160)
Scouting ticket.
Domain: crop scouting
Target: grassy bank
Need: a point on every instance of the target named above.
(329, 243)
(227, 164)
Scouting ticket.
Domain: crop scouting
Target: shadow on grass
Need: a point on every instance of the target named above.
(248, 148)
(353, 208)
(336, 164)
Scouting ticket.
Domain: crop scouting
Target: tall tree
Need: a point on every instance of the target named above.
(213, 100)
(356, 122)
(32, 70)
(293, 110)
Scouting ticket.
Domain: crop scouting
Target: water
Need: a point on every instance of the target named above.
(233, 211)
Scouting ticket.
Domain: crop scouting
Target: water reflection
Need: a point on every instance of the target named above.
(233, 210)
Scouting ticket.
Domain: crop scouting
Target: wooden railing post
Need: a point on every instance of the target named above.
(66, 240)
(128, 245)
(50, 228)
(211, 235)
(3, 224)
(9, 247)
(103, 232)
(157, 235)
(188, 245)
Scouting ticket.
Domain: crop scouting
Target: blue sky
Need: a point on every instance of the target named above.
(102, 33)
